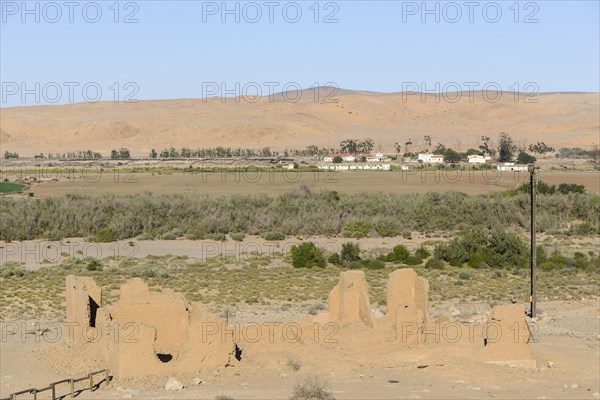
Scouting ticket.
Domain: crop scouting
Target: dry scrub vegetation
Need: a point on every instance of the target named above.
(226, 282)
(147, 216)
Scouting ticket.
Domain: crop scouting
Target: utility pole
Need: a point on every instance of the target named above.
(532, 252)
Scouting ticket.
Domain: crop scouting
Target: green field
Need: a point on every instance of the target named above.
(9, 187)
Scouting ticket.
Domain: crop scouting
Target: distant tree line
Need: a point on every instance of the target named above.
(79, 154)
(10, 155)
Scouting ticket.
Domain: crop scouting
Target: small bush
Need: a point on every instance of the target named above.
(497, 274)
(375, 264)
(353, 234)
(350, 252)
(294, 363)
(217, 236)
(307, 255)
(465, 275)
(168, 236)
(145, 236)
(192, 235)
(475, 260)
(143, 272)
(399, 254)
(422, 252)
(11, 269)
(355, 265)
(93, 264)
(273, 235)
(335, 259)
(237, 236)
(312, 388)
(106, 235)
(434, 263)
(414, 260)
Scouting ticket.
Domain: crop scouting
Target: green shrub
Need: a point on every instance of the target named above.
(144, 272)
(237, 236)
(465, 275)
(414, 260)
(92, 264)
(399, 254)
(422, 252)
(273, 235)
(434, 263)
(350, 252)
(355, 265)
(495, 247)
(476, 260)
(219, 237)
(168, 236)
(566, 188)
(307, 255)
(335, 259)
(145, 236)
(105, 235)
(359, 225)
(497, 274)
(11, 269)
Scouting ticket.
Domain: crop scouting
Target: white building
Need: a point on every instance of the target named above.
(429, 158)
(345, 157)
(353, 167)
(512, 167)
(379, 157)
(477, 159)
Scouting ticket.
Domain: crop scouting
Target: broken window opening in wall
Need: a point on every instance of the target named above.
(164, 357)
(238, 352)
(93, 310)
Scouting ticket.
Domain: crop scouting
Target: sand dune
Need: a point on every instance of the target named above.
(559, 119)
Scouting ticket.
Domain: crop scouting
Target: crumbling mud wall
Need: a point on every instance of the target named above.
(349, 299)
(503, 339)
(166, 312)
(84, 298)
(159, 334)
(147, 333)
(507, 337)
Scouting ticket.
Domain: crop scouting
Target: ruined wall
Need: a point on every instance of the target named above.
(84, 298)
(349, 299)
(166, 312)
(158, 333)
(405, 288)
(507, 337)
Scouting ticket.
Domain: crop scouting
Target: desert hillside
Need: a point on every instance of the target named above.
(559, 119)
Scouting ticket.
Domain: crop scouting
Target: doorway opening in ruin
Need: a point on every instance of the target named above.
(164, 357)
(93, 310)
(238, 352)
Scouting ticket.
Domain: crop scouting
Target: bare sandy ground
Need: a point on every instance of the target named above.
(559, 119)
(470, 182)
(33, 254)
(566, 350)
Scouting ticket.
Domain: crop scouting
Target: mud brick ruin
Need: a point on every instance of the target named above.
(159, 334)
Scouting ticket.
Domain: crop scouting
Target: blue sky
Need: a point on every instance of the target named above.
(176, 48)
